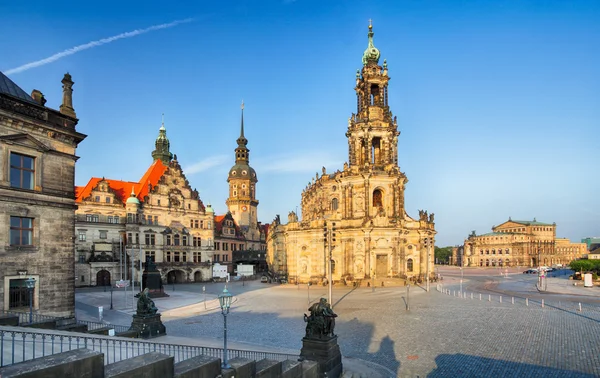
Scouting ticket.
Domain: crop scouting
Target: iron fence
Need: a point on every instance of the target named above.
(18, 346)
(61, 321)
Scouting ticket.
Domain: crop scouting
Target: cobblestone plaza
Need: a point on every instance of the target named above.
(443, 335)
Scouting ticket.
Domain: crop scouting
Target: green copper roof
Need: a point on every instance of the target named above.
(531, 223)
(371, 53)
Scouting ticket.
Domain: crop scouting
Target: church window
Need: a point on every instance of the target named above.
(376, 151)
(377, 198)
(243, 186)
(334, 204)
(244, 173)
(409, 265)
(235, 193)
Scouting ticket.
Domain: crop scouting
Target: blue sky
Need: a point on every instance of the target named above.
(498, 102)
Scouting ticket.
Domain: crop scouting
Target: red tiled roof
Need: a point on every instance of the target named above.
(123, 188)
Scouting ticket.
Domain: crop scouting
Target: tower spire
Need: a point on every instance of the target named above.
(162, 145)
(242, 131)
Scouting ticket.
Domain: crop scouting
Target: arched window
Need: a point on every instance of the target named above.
(409, 265)
(377, 198)
(334, 204)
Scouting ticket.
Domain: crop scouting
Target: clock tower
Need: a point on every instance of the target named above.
(242, 202)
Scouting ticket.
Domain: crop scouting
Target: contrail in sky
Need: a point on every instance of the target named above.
(89, 45)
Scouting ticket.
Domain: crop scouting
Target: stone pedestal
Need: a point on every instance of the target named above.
(148, 326)
(152, 281)
(326, 352)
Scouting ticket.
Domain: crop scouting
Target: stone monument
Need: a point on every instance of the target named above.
(152, 281)
(146, 320)
(320, 342)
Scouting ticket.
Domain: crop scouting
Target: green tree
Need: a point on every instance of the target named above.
(585, 265)
(442, 254)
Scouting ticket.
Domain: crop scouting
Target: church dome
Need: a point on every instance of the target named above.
(243, 171)
(209, 209)
(371, 54)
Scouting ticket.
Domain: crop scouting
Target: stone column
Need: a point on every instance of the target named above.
(67, 100)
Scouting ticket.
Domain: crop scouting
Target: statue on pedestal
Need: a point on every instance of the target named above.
(321, 321)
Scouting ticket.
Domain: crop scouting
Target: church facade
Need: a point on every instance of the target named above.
(354, 221)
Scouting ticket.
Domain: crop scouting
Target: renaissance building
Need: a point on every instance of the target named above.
(355, 219)
(519, 243)
(119, 224)
(37, 202)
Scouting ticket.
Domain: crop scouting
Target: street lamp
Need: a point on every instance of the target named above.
(461, 280)
(225, 302)
(111, 301)
(30, 285)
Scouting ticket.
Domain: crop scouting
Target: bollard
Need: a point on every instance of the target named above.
(579, 307)
(501, 299)
(471, 295)
(526, 301)
(513, 300)
(542, 303)
(489, 297)
(479, 296)
(454, 293)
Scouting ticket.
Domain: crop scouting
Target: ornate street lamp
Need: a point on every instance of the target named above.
(225, 302)
(30, 285)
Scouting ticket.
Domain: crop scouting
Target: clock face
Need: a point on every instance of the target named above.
(244, 208)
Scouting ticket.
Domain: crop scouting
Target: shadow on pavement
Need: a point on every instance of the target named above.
(463, 365)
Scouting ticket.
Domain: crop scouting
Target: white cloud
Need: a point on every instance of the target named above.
(89, 45)
(206, 164)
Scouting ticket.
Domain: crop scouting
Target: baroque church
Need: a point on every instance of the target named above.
(354, 221)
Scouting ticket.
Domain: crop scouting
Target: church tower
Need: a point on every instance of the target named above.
(242, 202)
(373, 131)
(162, 145)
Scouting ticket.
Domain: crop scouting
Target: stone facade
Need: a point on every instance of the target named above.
(519, 243)
(37, 201)
(160, 216)
(356, 218)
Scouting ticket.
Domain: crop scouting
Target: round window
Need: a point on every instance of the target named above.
(233, 173)
(244, 173)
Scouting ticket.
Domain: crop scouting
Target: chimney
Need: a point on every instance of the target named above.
(67, 101)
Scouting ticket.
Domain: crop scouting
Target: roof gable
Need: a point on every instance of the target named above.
(25, 140)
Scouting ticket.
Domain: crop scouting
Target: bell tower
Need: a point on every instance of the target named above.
(162, 145)
(372, 131)
(242, 202)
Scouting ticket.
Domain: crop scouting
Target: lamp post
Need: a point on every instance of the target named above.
(225, 302)
(111, 301)
(308, 291)
(461, 280)
(30, 285)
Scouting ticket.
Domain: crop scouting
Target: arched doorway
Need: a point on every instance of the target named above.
(175, 276)
(103, 278)
(198, 276)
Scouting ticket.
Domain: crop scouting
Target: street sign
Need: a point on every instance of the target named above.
(122, 283)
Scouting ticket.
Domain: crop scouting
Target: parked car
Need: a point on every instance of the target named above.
(264, 279)
(530, 271)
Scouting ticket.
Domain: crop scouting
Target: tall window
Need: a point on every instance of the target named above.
(152, 255)
(168, 239)
(150, 239)
(184, 240)
(334, 204)
(176, 239)
(409, 265)
(197, 257)
(377, 198)
(21, 171)
(82, 236)
(21, 231)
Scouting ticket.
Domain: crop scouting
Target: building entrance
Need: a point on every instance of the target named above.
(381, 265)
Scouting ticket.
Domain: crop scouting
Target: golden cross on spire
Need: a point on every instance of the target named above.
(370, 23)
(242, 104)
